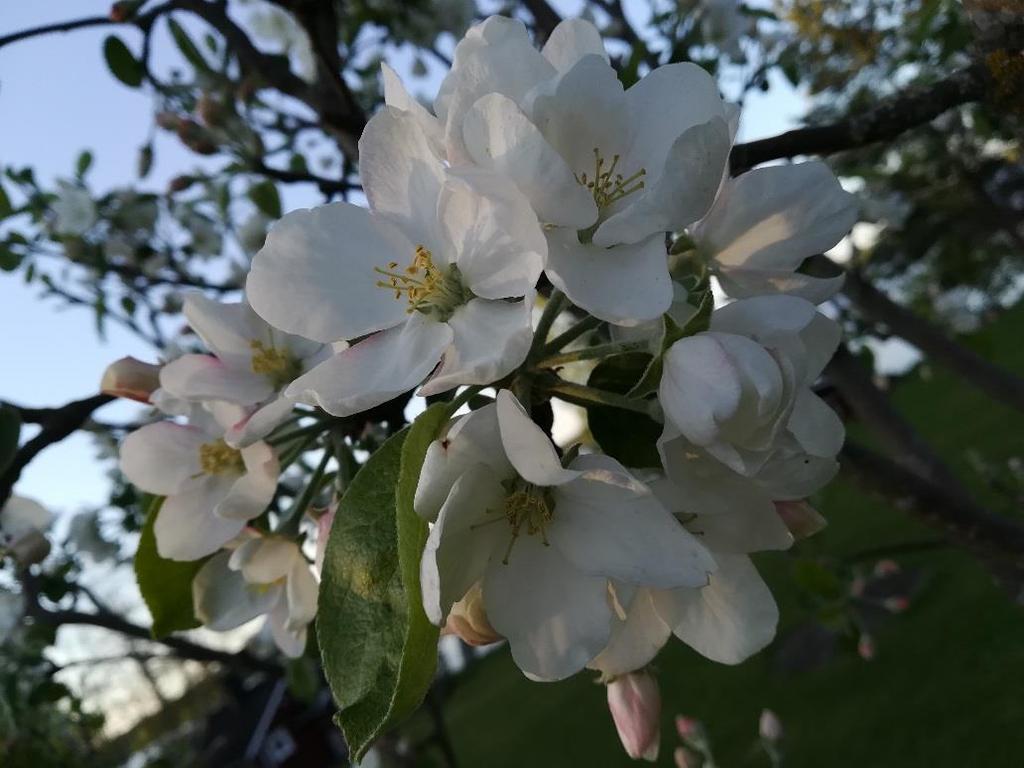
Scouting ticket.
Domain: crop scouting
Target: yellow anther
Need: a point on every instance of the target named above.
(270, 361)
(528, 507)
(217, 458)
(426, 287)
(606, 185)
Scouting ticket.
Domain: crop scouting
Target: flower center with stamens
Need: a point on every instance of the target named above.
(608, 186)
(428, 288)
(279, 366)
(527, 507)
(218, 458)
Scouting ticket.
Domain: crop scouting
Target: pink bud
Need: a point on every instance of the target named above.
(886, 568)
(896, 604)
(866, 647)
(130, 378)
(688, 728)
(801, 518)
(635, 704)
(29, 548)
(682, 758)
(468, 620)
(323, 531)
(769, 726)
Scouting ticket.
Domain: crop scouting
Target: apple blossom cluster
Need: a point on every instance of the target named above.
(536, 179)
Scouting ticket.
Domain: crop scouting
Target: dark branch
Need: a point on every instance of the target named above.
(545, 18)
(966, 363)
(887, 120)
(63, 26)
(57, 423)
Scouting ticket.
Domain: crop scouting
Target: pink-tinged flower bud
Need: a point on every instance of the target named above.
(180, 183)
(886, 567)
(896, 604)
(468, 620)
(682, 758)
(866, 647)
(130, 378)
(801, 518)
(688, 728)
(323, 531)
(210, 110)
(169, 121)
(769, 726)
(635, 704)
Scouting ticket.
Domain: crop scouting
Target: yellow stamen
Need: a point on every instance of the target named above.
(529, 506)
(217, 458)
(606, 185)
(426, 287)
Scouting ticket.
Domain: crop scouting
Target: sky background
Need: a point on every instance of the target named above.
(57, 98)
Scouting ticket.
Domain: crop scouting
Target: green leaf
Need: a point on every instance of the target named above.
(624, 435)
(6, 209)
(121, 62)
(84, 163)
(378, 650)
(265, 197)
(166, 585)
(10, 432)
(187, 47)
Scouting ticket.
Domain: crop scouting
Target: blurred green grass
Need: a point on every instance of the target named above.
(945, 688)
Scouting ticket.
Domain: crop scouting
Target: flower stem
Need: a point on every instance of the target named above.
(581, 395)
(594, 353)
(462, 398)
(573, 333)
(551, 311)
(312, 429)
(291, 524)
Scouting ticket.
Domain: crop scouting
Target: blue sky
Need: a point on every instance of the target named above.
(56, 98)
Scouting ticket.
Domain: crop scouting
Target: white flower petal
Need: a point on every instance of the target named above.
(634, 641)
(570, 41)
(301, 591)
(605, 530)
(791, 475)
(499, 245)
(490, 340)
(204, 377)
(727, 621)
(396, 95)
(224, 600)
(253, 491)
(556, 619)
(814, 424)
(159, 458)
(499, 137)
(376, 369)
(775, 217)
(470, 526)
(261, 423)
(291, 642)
(625, 285)
(186, 527)
(402, 175)
(527, 447)
(325, 258)
(473, 439)
(741, 283)
(226, 328)
(680, 194)
(264, 560)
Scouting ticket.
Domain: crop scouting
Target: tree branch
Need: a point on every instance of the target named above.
(545, 18)
(57, 423)
(887, 120)
(63, 26)
(965, 362)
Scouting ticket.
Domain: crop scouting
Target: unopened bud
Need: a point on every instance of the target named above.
(468, 620)
(130, 378)
(144, 162)
(635, 704)
(866, 647)
(169, 121)
(800, 518)
(29, 548)
(689, 728)
(123, 10)
(210, 110)
(180, 183)
(196, 138)
(769, 726)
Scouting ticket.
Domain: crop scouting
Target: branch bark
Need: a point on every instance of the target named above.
(887, 120)
(966, 363)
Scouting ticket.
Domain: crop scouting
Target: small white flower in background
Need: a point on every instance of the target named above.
(261, 575)
(542, 539)
(253, 232)
(273, 25)
(23, 523)
(86, 537)
(212, 489)
(741, 391)
(635, 703)
(130, 378)
(441, 268)
(74, 209)
(251, 364)
(769, 726)
(608, 171)
(724, 24)
(765, 222)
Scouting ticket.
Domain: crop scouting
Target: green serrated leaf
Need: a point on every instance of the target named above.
(265, 197)
(121, 62)
(378, 650)
(187, 47)
(166, 585)
(10, 433)
(624, 435)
